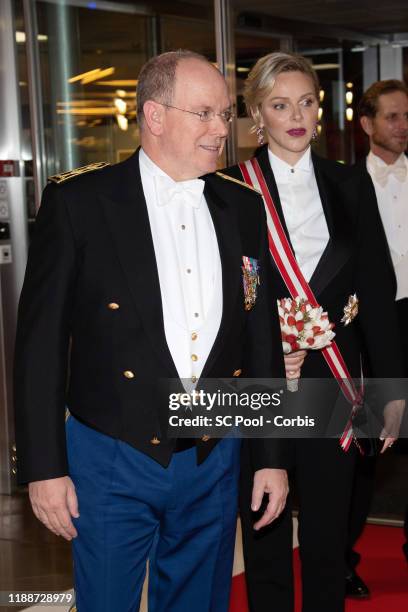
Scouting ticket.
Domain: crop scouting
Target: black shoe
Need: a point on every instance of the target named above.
(356, 587)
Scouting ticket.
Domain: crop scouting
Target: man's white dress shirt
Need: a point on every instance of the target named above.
(391, 188)
(188, 264)
(302, 209)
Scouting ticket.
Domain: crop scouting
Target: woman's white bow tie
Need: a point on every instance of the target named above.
(381, 173)
(169, 191)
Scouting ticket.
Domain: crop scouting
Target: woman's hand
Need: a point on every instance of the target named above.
(293, 364)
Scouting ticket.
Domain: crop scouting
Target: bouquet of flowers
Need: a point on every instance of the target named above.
(303, 326)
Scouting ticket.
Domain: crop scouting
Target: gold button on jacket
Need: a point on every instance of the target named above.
(113, 306)
(128, 374)
(155, 441)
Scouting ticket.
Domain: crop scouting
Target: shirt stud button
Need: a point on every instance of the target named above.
(194, 357)
(194, 336)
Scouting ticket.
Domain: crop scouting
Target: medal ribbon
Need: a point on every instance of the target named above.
(297, 285)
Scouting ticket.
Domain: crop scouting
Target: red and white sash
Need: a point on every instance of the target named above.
(287, 265)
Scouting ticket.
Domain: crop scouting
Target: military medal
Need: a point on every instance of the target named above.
(250, 279)
(350, 310)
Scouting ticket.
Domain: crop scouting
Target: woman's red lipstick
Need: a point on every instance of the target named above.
(297, 132)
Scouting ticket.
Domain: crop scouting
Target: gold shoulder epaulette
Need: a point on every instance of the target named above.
(65, 176)
(234, 180)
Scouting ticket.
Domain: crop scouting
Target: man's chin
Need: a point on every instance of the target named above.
(208, 168)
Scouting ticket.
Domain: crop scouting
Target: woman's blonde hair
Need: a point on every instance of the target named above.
(262, 77)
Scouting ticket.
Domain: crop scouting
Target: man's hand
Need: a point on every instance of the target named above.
(293, 364)
(274, 482)
(393, 413)
(54, 501)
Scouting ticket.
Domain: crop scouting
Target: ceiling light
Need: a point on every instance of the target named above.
(100, 110)
(100, 75)
(79, 77)
(326, 66)
(119, 83)
(122, 122)
(21, 37)
(120, 105)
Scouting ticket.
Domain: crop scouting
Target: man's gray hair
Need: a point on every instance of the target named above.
(157, 78)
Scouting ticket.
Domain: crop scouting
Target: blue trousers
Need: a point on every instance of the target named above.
(182, 518)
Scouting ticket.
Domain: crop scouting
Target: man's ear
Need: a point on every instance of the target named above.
(367, 125)
(154, 115)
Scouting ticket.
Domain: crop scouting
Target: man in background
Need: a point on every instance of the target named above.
(383, 113)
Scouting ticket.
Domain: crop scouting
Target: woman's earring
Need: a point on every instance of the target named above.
(260, 135)
(315, 133)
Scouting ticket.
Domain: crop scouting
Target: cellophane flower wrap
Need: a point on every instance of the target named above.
(303, 326)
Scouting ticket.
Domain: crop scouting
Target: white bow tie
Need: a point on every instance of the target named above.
(169, 191)
(382, 173)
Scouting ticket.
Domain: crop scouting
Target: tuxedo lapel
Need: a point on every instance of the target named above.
(229, 245)
(263, 160)
(338, 249)
(128, 221)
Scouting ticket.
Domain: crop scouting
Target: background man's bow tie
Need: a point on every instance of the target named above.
(382, 173)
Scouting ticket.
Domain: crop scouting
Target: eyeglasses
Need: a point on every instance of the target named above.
(205, 115)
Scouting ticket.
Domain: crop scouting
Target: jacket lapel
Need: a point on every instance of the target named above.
(263, 160)
(128, 221)
(229, 245)
(338, 249)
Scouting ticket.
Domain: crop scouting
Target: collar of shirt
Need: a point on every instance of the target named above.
(284, 172)
(373, 160)
(167, 189)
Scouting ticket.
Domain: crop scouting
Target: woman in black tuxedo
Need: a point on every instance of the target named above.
(329, 215)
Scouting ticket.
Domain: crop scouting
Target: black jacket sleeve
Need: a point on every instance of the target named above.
(42, 342)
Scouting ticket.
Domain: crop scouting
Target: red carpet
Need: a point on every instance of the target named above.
(383, 567)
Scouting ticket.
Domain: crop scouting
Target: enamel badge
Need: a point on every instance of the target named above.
(250, 279)
(350, 310)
